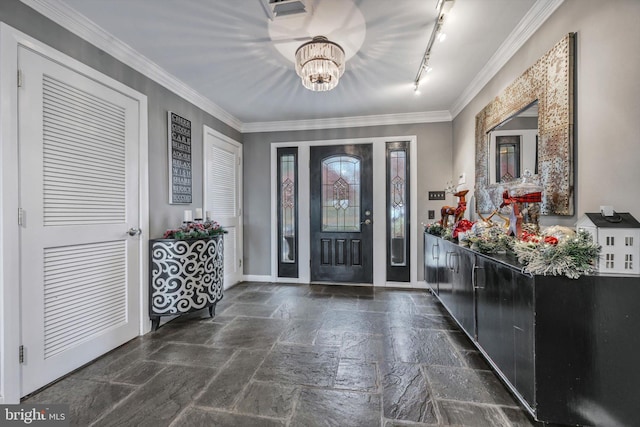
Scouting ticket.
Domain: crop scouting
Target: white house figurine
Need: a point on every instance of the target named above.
(619, 236)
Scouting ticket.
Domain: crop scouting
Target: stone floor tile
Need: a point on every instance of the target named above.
(317, 407)
(231, 380)
(406, 394)
(300, 365)
(340, 302)
(88, 400)
(460, 340)
(192, 333)
(203, 417)
(160, 400)
(467, 385)
(518, 418)
(254, 297)
(330, 338)
(295, 355)
(300, 308)
(267, 400)
(192, 355)
(425, 346)
(424, 298)
(350, 291)
(474, 360)
(355, 321)
(398, 423)
(356, 375)
(421, 321)
(465, 414)
(300, 331)
(115, 362)
(249, 309)
(366, 347)
(249, 332)
(139, 372)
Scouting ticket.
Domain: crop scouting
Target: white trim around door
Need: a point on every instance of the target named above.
(222, 161)
(10, 40)
(379, 201)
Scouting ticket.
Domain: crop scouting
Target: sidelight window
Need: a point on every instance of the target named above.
(288, 212)
(397, 211)
(507, 158)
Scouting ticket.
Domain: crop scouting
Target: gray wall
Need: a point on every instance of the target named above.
(607, 102)
(160, 100)
(434, 170)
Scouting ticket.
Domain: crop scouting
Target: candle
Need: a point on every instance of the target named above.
(208, 215)
(188, 215)
(198, 213)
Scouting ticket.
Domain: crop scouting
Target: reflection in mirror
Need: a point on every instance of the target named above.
(513, 146)
(549, 82)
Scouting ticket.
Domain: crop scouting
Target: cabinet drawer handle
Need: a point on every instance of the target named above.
(450, 265)
(433, 255)
(474, 278)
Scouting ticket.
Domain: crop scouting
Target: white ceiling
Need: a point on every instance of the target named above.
(223, 51)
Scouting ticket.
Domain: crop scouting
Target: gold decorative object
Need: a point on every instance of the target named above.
(550, 82)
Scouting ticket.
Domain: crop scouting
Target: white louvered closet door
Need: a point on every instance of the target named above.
(79, 194)
(223, 197)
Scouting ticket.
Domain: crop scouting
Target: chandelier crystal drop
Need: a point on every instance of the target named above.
(320, 64)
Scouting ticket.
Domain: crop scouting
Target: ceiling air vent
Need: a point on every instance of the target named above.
(282, 8)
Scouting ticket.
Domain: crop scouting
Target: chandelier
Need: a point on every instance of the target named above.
(320, 64)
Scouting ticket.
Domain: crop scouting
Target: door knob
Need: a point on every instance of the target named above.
(134, 231)
(366, 221)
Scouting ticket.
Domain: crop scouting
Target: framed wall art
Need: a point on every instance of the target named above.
(180, 160)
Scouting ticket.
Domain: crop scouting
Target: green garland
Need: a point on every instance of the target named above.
(434, 228)
(490, 241)
(572, 256)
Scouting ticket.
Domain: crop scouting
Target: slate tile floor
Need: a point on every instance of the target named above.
(295, 355)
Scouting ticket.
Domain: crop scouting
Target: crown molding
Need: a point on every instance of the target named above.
(62, 14)
(348, 122)
(528, 25)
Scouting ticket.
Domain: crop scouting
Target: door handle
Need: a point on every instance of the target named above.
(366, 222)
(134, 231)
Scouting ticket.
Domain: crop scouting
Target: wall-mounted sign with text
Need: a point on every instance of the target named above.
(180, 178)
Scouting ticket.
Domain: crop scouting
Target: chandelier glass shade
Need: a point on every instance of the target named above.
(320, 64)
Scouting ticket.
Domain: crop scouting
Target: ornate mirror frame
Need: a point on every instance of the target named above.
(550, 82)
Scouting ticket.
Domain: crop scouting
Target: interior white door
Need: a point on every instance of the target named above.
(223, 197)
(79, 197)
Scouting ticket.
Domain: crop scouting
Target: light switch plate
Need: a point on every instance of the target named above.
(436, 195)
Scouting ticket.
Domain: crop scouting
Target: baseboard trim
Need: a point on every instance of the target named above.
(256, 278)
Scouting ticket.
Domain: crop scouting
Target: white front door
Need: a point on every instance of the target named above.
(78, 180)
(223, 197)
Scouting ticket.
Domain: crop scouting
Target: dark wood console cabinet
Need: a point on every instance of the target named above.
(566, 348)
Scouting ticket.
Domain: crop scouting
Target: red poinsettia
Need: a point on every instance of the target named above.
(461, 226)
(534, 238)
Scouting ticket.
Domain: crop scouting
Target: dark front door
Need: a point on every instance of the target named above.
(342, 213)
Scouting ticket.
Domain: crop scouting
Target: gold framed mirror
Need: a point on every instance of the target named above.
(549, 82)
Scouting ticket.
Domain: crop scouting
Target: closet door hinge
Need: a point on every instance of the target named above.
(19, 78)
(21, 354)
(21, 217)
